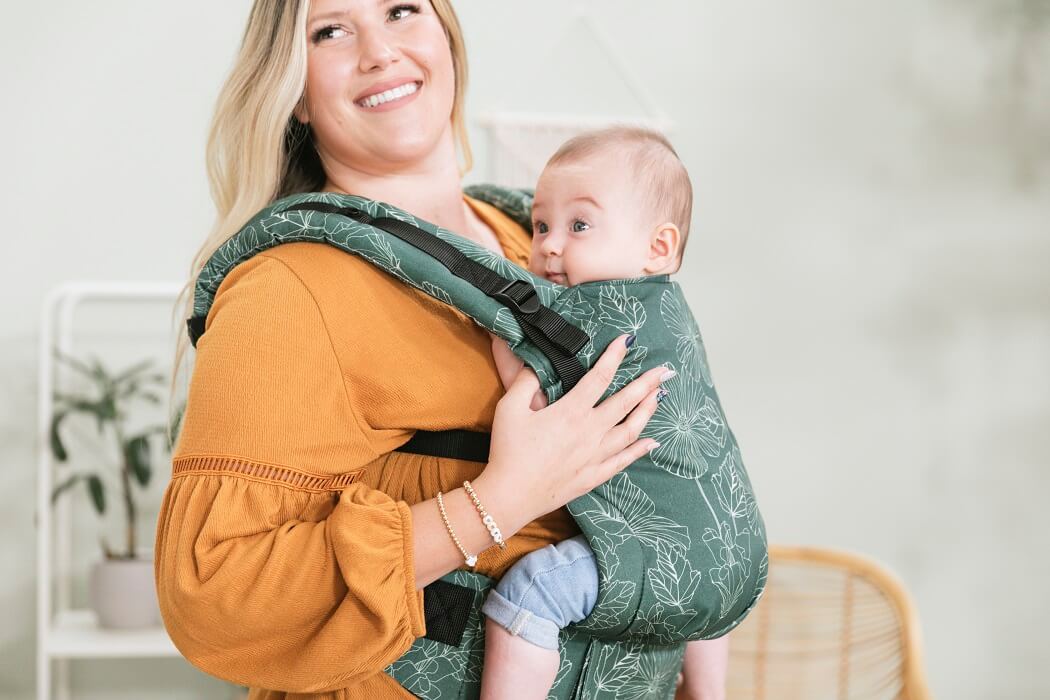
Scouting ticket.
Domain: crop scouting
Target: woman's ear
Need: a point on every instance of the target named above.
(664, 242)
(301, 113)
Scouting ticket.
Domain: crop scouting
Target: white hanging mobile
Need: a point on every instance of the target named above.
(521, 142)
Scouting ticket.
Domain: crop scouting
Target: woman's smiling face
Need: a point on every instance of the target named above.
(380, 82)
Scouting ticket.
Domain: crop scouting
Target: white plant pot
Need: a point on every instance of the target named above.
(123, 593)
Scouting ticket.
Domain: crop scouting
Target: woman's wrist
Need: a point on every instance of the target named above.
(435, 552)
(501, 503)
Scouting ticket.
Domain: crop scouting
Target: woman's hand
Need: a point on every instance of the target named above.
(541, 460)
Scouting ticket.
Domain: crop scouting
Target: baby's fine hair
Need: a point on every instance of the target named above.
(654, 165)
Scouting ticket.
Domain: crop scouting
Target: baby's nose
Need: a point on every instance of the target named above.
(551, 246)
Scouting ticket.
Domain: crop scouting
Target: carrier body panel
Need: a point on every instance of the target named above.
(679, 540)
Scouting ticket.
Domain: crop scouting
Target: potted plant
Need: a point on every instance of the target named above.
(121, 586)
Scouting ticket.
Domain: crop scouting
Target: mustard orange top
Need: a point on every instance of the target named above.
(283, 552)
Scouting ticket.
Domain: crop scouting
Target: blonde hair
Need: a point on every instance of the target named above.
(257, 151)
(661, 178)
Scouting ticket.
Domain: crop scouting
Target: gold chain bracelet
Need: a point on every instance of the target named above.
(471, 559)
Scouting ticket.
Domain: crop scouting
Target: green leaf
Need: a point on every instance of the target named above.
(128, 389)
(98, 493)
(107, 410)
(101, 410)
(68, 483)
(75, 364)
(57, 448)
(132, 371)
(138, 456)
(99, 371)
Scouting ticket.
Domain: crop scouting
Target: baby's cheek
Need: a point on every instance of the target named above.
(583, 270)
(536, 264)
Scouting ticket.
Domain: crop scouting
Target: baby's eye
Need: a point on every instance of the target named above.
(326, 33)
(579, 221)
(539, 227)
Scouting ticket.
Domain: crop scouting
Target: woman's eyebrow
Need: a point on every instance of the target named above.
(334, 14)
(328, 15)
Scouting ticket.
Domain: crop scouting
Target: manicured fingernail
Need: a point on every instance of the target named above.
(630, 340)
(667, 375)
(653, 446)
(664, 393)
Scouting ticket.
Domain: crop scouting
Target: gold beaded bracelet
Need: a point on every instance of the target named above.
(487, 519)
(471, 559)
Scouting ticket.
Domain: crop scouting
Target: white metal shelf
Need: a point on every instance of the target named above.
(63, 632)
(75, 634)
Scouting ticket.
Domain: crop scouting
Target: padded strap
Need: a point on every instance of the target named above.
(555, 337)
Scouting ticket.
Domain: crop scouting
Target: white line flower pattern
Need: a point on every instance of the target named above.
(676, 561)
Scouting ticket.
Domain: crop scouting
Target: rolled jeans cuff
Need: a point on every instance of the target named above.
(521, 622)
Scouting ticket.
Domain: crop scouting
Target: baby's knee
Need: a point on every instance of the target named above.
(558, 582)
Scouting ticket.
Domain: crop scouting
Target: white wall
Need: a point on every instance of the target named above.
(871, 233)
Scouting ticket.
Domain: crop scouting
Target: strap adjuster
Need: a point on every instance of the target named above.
(520, 296)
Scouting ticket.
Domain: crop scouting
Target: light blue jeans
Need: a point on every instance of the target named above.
(544, 591)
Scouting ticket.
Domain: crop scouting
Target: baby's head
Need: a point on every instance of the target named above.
(610, 204)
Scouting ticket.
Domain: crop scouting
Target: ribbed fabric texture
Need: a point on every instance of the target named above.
(283, 553)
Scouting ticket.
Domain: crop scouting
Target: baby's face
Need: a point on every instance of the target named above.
(585, 223)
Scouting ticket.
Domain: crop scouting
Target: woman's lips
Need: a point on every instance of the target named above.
(393, 104)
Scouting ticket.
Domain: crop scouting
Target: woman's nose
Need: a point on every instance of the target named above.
(377, 50)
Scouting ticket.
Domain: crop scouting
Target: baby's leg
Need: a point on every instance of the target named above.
(705, 667)
(514, 668)
(538, 596)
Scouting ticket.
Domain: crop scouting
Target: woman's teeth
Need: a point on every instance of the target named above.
(389, 96)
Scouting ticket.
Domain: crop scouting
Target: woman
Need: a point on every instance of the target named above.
(294, 542)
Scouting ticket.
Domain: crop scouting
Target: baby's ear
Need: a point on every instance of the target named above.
(664, 244)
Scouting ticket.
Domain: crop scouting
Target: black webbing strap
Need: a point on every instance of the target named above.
(456, 444)
(195, 326)
(556, 338)
(446, 607)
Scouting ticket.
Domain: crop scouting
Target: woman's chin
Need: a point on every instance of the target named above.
(407, 146)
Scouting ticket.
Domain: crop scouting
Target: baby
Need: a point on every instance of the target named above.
(610, 204)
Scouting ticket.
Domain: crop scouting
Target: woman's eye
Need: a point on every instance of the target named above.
(414, 9)
(578, 230)
(326, 33)
(539, 227)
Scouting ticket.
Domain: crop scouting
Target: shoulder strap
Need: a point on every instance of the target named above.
(515, 203)
(555, 337)
(552, 334)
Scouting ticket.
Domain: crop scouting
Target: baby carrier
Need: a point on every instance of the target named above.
(679, 541)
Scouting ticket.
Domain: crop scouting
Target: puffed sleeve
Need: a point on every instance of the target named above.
(273, 568)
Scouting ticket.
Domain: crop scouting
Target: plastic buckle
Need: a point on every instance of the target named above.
(529, 304)
(357, 215)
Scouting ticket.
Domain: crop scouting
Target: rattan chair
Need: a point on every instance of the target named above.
(831, 625)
